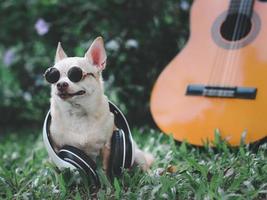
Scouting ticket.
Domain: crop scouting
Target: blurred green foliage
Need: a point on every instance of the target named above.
(141, 37)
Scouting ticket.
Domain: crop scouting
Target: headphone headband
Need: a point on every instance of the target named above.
(60, 163)
(120, 122)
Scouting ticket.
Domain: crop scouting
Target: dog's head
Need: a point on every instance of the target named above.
(75, 79)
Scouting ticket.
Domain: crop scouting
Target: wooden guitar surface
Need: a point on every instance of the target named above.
(207, 61)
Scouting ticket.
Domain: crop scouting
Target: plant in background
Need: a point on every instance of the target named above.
(41, 26)
(141, 37)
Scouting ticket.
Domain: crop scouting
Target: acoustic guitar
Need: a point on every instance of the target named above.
(219, 80)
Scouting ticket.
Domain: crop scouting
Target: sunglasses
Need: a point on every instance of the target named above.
(75, 74)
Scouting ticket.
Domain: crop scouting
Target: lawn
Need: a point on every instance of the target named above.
(180, 172)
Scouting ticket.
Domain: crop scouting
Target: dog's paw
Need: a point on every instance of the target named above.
(149, 159)
(144, 159)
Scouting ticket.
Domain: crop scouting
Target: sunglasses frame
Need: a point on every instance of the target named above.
(84, 74)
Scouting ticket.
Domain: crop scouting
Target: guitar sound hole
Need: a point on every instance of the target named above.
(235, 27)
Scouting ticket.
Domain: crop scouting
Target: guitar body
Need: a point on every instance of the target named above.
(209, 59)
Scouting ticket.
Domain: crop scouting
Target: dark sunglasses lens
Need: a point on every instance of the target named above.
(75, 74)
(52, 75)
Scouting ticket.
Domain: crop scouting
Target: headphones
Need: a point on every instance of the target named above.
(121, 152)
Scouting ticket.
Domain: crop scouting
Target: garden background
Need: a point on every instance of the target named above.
(141, 37)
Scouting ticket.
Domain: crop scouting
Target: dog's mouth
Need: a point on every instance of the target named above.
(66, 95)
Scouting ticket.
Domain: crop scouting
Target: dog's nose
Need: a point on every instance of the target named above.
(62, 86)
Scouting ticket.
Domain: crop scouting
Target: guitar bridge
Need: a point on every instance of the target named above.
(222, 92)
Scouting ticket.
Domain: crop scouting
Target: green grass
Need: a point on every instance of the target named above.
(180, 172)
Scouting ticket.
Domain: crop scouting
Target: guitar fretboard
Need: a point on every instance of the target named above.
(241, 7)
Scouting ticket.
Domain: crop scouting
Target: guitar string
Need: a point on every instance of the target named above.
(238, 31)
(236, 54)
(222, 61)
(248, 13)
(218, 63)
(232, 52)
(234, 46)
(225, 60)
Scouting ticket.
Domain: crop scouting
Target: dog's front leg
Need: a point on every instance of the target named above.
(105, 156)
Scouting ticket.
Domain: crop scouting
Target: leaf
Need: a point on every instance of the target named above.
(78, 196)
(62, 186)
(117, 188)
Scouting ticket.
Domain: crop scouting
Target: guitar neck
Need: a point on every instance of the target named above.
(241, 7)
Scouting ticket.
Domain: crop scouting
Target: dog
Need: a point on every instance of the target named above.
(79, 108)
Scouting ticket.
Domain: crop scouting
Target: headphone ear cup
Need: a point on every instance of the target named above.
(80, 160)
(117, 155)
(129, 150)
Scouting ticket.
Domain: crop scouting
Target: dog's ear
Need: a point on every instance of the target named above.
(60, 54)
(96, 54)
